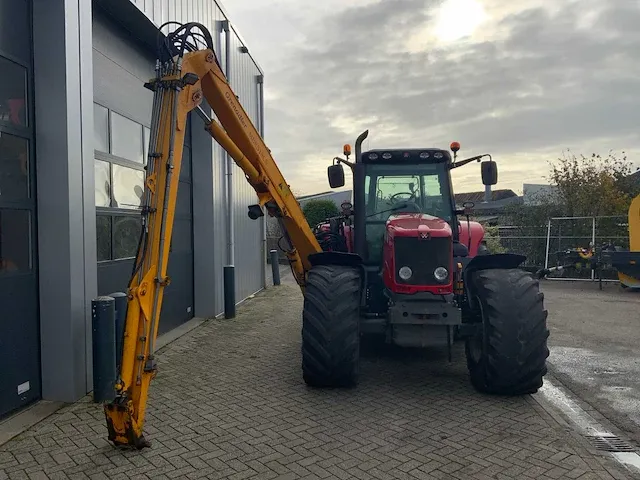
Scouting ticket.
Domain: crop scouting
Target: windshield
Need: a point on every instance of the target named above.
(391, 189)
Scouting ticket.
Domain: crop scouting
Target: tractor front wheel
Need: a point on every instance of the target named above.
(330, 327)
(509, 356)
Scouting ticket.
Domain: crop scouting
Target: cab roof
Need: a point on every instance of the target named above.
(409, 155)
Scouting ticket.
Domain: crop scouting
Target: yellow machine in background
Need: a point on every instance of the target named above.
(628, 263)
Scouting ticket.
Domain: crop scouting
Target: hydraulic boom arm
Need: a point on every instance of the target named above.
(184, 76)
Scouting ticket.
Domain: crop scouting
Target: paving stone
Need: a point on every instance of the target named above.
(229, 402)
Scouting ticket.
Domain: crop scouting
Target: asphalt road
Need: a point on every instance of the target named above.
(595, 348)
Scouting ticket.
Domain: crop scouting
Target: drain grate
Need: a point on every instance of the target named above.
(610, 443)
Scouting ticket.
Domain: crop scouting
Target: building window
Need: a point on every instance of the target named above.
(121, 148)
(15, 240)
(126, 138)
(14, 167)
(103, 183)
(128, 186)
(117, 236)
(101, 128)
(103, 236)
(13, 93)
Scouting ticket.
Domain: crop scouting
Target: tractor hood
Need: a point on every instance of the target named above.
(417, 224)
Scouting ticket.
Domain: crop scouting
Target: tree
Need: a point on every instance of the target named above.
(592, 186)
(580, 187)
(316, 211)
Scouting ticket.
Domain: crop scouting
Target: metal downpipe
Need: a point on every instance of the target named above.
(229, 273)
(264, 218)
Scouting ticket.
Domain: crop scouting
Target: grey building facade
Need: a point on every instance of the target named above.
(74, 123)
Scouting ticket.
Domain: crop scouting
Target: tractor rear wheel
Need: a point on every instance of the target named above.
(330, 327)
(509, 357)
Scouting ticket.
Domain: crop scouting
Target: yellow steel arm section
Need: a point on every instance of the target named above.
(179, 88)
(239, 137)
(125, 415)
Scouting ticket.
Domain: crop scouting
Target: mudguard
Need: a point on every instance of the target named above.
(495, 260)
(488, 262)
(344, 259)
(335, 258)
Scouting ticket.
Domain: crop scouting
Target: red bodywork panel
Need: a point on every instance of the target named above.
(348, 233)
(412, 225)
(477, 235)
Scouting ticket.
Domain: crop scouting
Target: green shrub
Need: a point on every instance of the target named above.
(316, 211)
(492, 237)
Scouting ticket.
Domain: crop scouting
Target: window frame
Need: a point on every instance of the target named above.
(114, 213)
(108, 157)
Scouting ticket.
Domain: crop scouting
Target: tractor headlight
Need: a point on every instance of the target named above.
(441, 274)
(405, 273)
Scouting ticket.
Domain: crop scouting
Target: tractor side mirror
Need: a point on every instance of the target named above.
(336, 176)
(489, 172)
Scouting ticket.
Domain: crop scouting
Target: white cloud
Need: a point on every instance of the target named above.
(520, 80)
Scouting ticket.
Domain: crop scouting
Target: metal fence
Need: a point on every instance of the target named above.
(543, 244)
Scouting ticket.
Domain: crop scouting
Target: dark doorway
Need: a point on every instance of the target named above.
(19, 327)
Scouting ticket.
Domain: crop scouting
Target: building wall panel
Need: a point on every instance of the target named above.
(120, 69)
(248, 233)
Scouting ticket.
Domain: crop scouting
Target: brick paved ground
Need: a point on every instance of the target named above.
(229, 402)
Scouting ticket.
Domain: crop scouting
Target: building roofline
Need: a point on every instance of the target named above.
(328, 192)
(141, 32)
(225, 12)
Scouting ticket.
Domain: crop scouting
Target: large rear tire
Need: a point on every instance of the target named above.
(509, 357)
(330, 327)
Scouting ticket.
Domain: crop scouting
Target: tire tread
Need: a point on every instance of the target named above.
(515, 327)
(330, 327)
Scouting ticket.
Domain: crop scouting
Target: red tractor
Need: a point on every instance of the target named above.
(400, 265)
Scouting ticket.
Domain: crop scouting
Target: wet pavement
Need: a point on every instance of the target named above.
(595, 348)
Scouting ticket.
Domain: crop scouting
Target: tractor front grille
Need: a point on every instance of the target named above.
(423, 257)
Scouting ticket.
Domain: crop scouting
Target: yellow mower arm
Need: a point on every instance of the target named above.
(184, 77)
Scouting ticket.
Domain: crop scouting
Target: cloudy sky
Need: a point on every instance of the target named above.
(520, 79)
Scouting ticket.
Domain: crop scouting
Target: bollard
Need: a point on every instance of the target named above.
(103, 319)
(121, 316)
(275, 267)
(229, 283)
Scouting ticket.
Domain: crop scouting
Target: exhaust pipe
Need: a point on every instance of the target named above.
(359, 141)
(358, 198)
(487, 193)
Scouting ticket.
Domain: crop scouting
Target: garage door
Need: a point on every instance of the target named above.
(122, 114)
(19, 332)
(178, 295)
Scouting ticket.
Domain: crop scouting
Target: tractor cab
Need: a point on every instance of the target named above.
(406, 225)
(407, 185)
